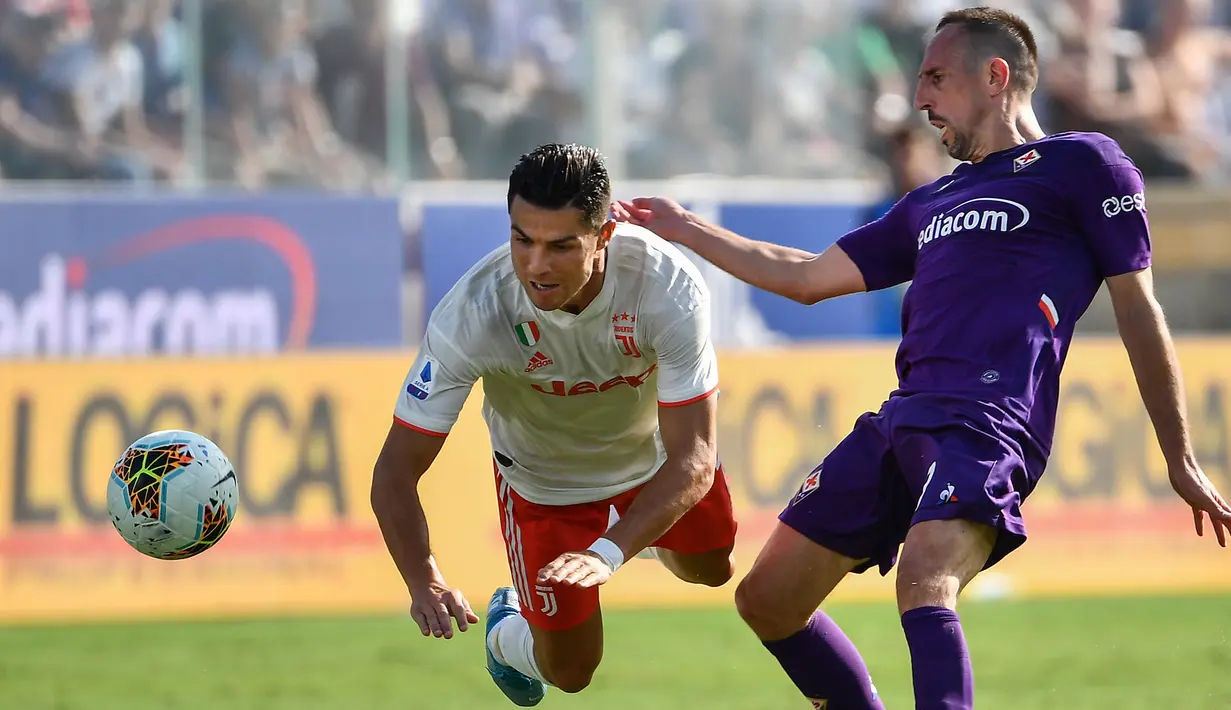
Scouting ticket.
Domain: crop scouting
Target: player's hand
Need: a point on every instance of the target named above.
(435, 606)
(1197, 490)
(661, 215)
(576, 569)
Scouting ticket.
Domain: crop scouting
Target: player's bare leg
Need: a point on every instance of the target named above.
(790, 578)
(569, 658)
(565, 658)
(778, 599)
(939, 559)
(712, 569)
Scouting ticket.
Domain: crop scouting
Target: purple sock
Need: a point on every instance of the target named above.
(940, 662)
(826, 667)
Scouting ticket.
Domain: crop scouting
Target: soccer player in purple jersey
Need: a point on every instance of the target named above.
(1004, 255)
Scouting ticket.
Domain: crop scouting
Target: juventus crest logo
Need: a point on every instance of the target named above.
(622, 324)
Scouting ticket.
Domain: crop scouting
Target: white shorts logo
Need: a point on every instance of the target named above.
(1113, 206)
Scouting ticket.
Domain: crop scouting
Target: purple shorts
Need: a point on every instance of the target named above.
(921, 457)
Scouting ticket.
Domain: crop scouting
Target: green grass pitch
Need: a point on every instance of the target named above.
(1098, 654)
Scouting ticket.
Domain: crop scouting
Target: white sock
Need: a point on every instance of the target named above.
(513, 645)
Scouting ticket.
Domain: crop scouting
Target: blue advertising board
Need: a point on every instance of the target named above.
(97, 276)
(812, 228)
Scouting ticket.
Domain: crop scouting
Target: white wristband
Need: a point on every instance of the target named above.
(609, 552)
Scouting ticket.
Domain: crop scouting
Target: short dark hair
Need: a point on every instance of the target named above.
(555, 176)
(993, 32)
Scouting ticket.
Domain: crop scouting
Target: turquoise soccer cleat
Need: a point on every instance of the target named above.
(516, 686)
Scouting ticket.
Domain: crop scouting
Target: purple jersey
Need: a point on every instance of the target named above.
(1004, 256)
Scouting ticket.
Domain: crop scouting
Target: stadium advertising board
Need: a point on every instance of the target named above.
(303, 431)
(137, 275)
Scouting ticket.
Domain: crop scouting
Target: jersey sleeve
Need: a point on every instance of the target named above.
(1111, 211)
(438, 383)
(687, 363)
(884, 249)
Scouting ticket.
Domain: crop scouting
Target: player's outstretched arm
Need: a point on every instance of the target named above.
(1147, 339)
(405, 457)
(793, 273)
(690, 438)
(689, 433)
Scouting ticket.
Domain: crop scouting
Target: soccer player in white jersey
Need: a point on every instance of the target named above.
(599, 382)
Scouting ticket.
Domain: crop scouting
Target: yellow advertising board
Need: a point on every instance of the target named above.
(304, 431)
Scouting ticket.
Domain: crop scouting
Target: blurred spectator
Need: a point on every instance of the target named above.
(698, 136)
(890, 43)
(32, 145)
(497, 79)
(159, 40)
(780, 88)
(72, 17)
(916, 158)
(352, 83)
(810, 123)
(100, 82)
(1192, 56)
(653, 36)
(280, 130)
(1102, 80)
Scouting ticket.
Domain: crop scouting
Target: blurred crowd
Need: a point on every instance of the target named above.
(306, 92)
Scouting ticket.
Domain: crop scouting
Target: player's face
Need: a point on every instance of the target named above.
(948, 92)
(556, 255)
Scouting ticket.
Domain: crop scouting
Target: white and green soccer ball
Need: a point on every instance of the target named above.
(172, 495)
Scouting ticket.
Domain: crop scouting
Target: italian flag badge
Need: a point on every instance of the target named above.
(528, 333)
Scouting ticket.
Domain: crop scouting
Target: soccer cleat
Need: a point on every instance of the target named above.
(523, 690)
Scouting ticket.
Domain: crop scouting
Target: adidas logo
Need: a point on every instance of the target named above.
(539, 360)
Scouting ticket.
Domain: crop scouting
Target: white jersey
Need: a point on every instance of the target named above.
(571, 401)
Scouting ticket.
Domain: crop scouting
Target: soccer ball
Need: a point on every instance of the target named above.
(172, 495)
